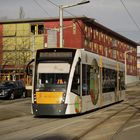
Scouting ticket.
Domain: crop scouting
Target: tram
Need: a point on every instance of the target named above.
(72, 81)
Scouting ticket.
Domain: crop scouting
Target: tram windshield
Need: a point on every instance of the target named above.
(52, 77)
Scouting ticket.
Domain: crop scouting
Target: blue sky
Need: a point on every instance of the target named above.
(110, 13)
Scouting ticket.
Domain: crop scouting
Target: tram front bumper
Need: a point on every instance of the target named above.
(49, 109)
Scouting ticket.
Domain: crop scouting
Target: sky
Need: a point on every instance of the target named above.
(121, 16)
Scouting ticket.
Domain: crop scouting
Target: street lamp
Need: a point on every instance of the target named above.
(125, 56)
(61, 8)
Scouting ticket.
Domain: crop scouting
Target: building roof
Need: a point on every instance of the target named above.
(91, 21)
(109, 31)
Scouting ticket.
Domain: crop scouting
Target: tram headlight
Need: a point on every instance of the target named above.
(34, 97)
(63, 98)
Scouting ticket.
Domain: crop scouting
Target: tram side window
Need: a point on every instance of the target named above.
(122, 81)
(85, 79)
(109, 80)
(76, 80)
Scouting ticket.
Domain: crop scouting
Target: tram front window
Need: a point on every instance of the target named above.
(52, 82)
(52, 77)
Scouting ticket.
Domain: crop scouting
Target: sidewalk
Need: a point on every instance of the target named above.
(133, 88)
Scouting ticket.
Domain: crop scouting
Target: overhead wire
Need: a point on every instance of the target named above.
(58, 7)
(129, 14)
(55, 6)
(53, 3)
(42, 8)
(69, 14)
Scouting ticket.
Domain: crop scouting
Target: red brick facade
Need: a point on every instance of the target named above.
(1, 44)
(86, 33)
(83, 32)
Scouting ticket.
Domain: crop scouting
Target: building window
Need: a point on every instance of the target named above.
(86, 28)
(37, 29)
(74, 28)
(91, 30)
(100, 48)
(94, 34)
(91, 45)
(33, 29)
(106, 51)
(114, 54)
(88, 33)
(97, 33)
(103, 37)
(99, 37)
(86, 43)
(131, 69)
(127, 56)
(130, 58)
(40, 29)
(124, 47)
(128, 47)
(106, 37)
(114, 42)
(95, 47)
(110, 39)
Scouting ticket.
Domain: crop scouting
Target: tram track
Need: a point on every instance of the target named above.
(74, 125)
(20, 124)
(102, 123)
(120, 130)
(71, 128)
(122, 127)
(19, 100)
(10, 109)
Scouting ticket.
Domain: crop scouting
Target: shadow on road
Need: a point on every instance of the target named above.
(54, 137)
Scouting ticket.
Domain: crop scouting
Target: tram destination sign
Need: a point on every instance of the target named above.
(55, 55)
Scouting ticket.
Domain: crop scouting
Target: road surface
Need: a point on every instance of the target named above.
(117, 122)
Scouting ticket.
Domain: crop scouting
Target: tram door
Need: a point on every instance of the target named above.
(121, 84)
(90, 85)
(85, 86)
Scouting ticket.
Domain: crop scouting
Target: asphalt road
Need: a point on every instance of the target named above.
(117, 122)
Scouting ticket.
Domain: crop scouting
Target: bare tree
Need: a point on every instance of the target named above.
(21, 13)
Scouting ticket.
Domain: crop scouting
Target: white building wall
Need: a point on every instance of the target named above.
(138, 55)
(131, 80)
(138, 49)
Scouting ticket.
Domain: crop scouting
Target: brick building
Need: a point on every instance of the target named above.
(20, 38)
(138, 60)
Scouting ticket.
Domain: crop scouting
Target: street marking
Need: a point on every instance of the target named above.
(131, 127)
